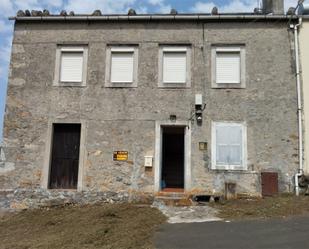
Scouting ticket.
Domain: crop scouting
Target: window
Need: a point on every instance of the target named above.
(71, 66)
(174, 66)
(228, 146)
(228, 67)
(121, 66)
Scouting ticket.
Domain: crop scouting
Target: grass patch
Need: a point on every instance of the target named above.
(269, 207)
(97, 226)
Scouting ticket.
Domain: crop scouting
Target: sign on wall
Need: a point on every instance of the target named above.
(120, 155)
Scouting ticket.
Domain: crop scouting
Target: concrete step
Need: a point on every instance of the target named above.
(182, 199)
(174, 202)
(171, 195)
(173, 199)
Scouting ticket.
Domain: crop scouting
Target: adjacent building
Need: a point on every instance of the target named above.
(139, 104)
(304, 59)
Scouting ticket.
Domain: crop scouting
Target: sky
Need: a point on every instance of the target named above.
(10, 7)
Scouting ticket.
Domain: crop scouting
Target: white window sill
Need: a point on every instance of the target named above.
(228, 85)
(121, 84)
(234, 171)
(69, 84)
(230, 82)
(174, 85)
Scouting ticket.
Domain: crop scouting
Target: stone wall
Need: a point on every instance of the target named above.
(38, 198)
(124, 118)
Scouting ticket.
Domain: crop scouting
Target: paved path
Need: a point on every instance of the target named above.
(187, 214)
(289, 233)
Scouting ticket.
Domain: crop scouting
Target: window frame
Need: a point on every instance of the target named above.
(67, 49)
(228, 49)
(175, 49)
(108, 69)
(214, 165)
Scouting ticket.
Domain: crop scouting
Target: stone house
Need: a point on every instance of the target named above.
(138, 104)
(304, 59)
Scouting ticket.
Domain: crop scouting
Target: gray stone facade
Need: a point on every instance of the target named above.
(125, 118)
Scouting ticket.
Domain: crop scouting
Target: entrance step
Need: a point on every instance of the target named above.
(173, 198)
(175, 201)
(182, 199)
(171, 194)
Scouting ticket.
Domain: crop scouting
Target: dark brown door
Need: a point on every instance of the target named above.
(173, 157)
(269, 183)
(65, 156)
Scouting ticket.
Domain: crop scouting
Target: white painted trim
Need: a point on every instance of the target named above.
(108, 64)
(244, 165)
(82, 155)
(158, 152)
(48, 150)
(174, 49)
(65, 48)
(187, 83)
(188, 157)
(122, 49)
(228, 49)
(47, 156)
(72, 49)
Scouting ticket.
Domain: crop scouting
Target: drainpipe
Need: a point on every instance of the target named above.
(299, 107)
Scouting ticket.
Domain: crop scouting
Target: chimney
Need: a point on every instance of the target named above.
(275, 7)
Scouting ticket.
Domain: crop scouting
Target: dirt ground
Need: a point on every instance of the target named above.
(100, 226)
(269, 207)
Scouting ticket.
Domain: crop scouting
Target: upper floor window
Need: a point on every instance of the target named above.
(229, 146)
(228, 67)
(174, 66)
(121, 66)
(71, 66)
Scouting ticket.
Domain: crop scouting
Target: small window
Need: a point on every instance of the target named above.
(228, 67)
(228, 146)
(71, 69)
(174, 66)
(71, 66)
(121, 66)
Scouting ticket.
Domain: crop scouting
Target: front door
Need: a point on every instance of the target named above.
(65, 156)
(173, 155)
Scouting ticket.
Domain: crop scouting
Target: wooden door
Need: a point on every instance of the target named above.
(65, 156)
(269, 183)
(173, 157)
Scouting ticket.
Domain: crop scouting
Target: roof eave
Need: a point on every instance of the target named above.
(187, 17)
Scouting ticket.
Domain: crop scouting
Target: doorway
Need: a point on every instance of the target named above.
(173, 158)
(65, 156)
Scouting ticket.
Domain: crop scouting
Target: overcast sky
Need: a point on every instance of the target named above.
(10, 7)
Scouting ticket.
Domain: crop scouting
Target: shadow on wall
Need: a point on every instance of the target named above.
(2, 156)
(5, 166)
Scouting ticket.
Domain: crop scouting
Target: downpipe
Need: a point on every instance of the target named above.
(299, 108)
(297, 175)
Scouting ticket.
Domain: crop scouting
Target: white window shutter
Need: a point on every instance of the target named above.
(229, 145)
(122, 64)
(71, 67)
(228, 67)
(174, 67)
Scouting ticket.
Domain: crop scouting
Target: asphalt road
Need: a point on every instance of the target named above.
(271, 234)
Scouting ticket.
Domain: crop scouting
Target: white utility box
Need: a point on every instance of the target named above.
(148, 161)
(198, 99)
